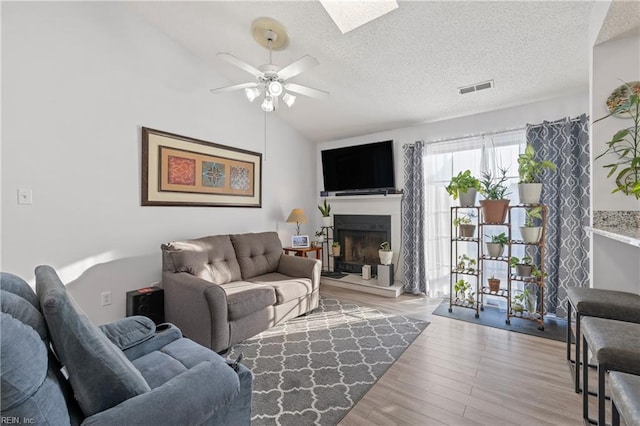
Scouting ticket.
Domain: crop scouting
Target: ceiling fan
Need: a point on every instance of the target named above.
(271, 80)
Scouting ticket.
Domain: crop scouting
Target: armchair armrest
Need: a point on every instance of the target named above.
(164, 334)
(201, 391)
(198, 307)
(130, 331)
(301, 267)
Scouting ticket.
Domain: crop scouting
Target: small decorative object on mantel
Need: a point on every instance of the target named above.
(385, 253)
(530, 171)
(624, 146)
(182, 171)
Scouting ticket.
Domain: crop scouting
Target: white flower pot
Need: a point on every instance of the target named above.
(529, 193)
(495, 249)
(468, 198)
(531, 234)
(326, 221)
(386, 257)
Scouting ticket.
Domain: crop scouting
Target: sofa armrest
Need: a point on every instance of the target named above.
(130, 331)
(198, 307)
(164, 334)
(301, 267)
(189, 398)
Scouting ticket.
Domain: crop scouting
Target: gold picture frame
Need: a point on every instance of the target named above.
(182, 171)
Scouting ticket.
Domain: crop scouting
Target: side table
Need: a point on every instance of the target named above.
(302, 252)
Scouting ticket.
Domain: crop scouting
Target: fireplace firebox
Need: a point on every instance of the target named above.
(360, 237)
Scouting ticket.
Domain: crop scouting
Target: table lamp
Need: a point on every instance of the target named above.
(297, 216)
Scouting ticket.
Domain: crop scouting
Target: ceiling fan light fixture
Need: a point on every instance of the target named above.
(252, 93)
(289, 99)
(275, 88)
(267, 104)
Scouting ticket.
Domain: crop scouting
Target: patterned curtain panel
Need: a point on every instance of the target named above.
(566, 192)
(413, 240)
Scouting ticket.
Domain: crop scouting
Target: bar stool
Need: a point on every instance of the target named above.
(616, 347)
(625, 398)
(591, 302)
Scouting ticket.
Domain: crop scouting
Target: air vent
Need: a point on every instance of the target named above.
(475, 87)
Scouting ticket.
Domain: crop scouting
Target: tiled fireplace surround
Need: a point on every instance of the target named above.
(388, 206)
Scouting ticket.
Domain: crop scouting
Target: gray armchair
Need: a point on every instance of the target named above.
(126, 372)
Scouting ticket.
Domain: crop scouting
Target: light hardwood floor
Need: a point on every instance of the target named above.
(459, 373)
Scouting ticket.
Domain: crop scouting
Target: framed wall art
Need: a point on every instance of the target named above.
(182, 171)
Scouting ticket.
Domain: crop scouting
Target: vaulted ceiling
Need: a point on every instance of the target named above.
(401, 69)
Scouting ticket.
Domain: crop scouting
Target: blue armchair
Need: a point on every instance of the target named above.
(125, 372)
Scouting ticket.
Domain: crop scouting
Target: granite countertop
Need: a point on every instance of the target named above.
(617, 225)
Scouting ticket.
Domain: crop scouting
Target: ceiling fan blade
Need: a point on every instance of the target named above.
(298, 66)
(232, 88)
(240, 64)
(307, 91)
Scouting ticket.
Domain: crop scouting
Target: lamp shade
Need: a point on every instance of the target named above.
(297, 216)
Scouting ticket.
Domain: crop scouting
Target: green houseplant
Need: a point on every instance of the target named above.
(385, 253)
(325, 210)
(531, 233)
(335, 248)
(466, 229)
(624, 145)
(320, 236)
(524, 267)
(465, 186)
(495, 247)
(494, 189)
(460, 288)
(530, 172)
(466, 264)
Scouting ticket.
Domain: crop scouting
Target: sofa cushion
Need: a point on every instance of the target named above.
(257, 254)
(210, 258)
(24, 312)
(100, 374)
(128, 332)
(286, 288)
(244, 298)
(29, 388)
(16, 285)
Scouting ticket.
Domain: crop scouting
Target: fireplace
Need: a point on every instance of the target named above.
(360, 237)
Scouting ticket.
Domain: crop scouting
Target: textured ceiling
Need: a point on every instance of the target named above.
(622, 20)
(401, 69)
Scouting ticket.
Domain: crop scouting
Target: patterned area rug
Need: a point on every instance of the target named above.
(313, 369)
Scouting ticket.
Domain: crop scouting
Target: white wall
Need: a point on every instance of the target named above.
(614, 62)
(79, 80)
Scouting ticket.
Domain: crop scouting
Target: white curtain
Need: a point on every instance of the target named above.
(442, 161)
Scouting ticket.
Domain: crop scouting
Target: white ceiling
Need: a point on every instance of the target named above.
(399, 70)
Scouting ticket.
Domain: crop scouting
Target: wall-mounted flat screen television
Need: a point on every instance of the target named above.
(360, 167)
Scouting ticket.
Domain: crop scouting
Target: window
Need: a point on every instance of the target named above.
(443, 160)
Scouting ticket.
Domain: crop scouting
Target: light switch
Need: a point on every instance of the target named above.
(25, 196)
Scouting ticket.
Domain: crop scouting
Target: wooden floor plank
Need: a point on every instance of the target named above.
(460, 373)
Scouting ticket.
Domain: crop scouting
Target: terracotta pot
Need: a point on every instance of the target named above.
(494, 284)
(335, 251)
(494, 211)
(467, 231)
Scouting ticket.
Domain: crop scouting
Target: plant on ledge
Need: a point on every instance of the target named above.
(625, 144)
(325, 210)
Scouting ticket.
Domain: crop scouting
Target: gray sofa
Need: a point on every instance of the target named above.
(125, 372)
(223, 289)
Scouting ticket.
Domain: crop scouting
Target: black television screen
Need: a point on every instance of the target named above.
(360, 167)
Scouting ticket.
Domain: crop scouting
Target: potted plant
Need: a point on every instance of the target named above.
(494, 284)
(466, 264)
(465, 228)
(495, 248)
(320, 236)
(518, 302)
(523, 267)
(325, 210)
(494, 206)
(524, 300)
(530, 172)
(465, 186)
(531, 233)
(625, 143)
(460, 288)
(471, 297)
(385, 253)
(335, 248)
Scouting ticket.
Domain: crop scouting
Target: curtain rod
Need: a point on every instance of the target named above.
(571, 120)
(475, 135)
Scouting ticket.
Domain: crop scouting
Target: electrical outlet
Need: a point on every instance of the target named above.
(105, 298)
